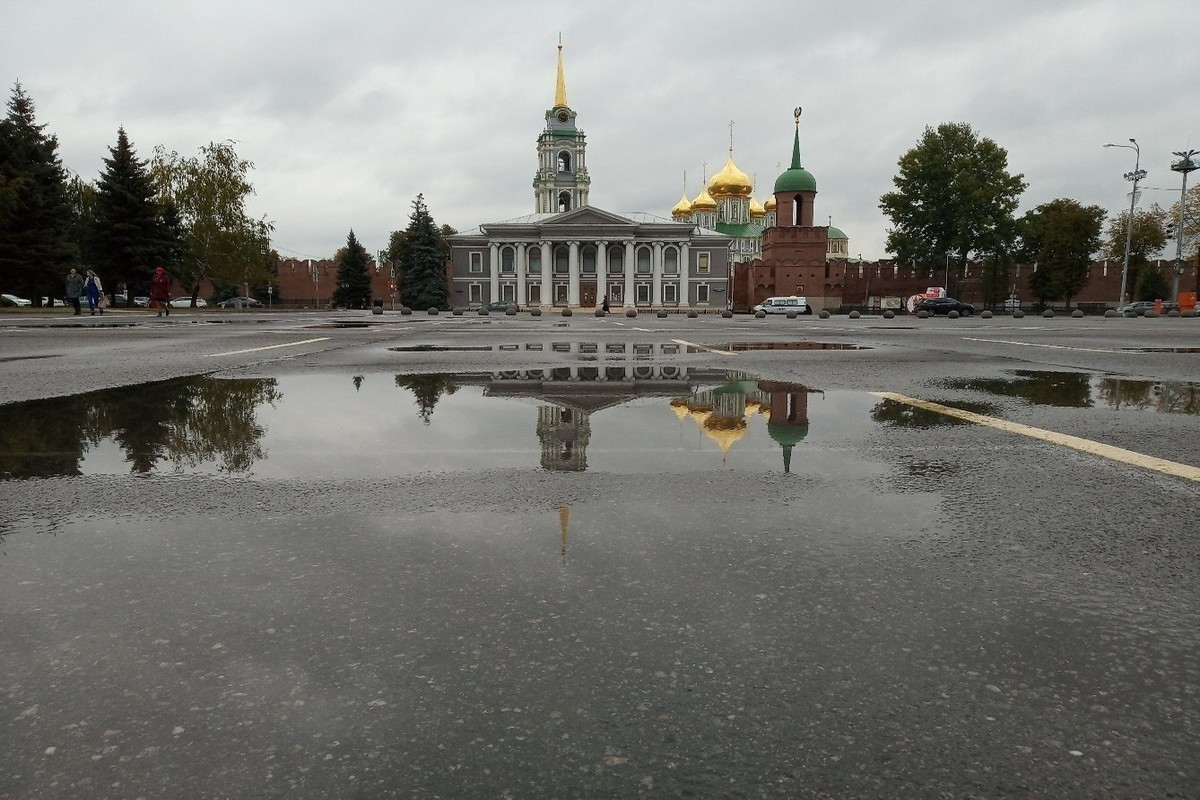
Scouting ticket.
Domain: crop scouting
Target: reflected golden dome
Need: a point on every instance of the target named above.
(682, 209)
(680, 407)
(756, 209)
(704, 202)
(725, 431)
(730, 182)
(752, 405)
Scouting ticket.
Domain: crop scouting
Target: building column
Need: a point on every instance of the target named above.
(656, 270)
(685, 265)
(493, 272)
(573, 275)
(546, 280)
(601, 272)
(522, 267)
(630, 297)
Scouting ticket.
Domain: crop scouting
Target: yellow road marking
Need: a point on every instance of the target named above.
(1047, 346)
(268, 347)
(686, 343)
(1120, 454)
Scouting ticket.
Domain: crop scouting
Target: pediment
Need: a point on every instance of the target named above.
(588, 215)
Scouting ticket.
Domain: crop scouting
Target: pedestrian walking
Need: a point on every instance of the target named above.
(94, 292)
(160, 292)
(604, 304)
(74, 290)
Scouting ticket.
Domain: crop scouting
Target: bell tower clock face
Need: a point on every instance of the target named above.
(563, 116)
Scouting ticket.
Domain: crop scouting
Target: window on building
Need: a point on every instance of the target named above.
(643, 261)
(616, 260)
(564, 161)
(562, 259)
(476, 262)
(560, 294)
(534, 259)
(564, 201)
(588, 260)
(535, 294)
(671, 261)
(475, 293)
(508, 260)
(702, 293)
(670, 294)
(508, 292)
(642, 291)
(702, 263)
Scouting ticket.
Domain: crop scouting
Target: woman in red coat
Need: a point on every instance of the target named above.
(160, 291)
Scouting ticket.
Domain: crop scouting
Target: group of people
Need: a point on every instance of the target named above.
(81, 286)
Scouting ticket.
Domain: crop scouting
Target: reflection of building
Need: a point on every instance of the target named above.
(564, 433)
(571, 254)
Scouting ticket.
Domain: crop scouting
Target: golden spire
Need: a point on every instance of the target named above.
(560, 88)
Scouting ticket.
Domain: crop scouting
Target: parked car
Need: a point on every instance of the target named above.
(144, 302)
(186, 302)
(944, 305)
(1140, 308)
(240, 302)
(13, 300)
(500, 306)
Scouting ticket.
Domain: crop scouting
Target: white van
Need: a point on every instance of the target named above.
(782, 305)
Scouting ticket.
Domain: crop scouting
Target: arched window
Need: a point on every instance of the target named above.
(564, 161)
(507, 260)
(671, 261)
(562, 259)
(643, 260)
(535, 261)
(616, 260)
(587, 259)
(564, 201)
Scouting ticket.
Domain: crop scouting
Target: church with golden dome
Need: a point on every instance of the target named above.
(727, 204)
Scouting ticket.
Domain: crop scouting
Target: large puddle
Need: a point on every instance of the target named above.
(1082, 390)
(630, 419)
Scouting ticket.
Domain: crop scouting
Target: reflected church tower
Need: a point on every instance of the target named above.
(564, 434)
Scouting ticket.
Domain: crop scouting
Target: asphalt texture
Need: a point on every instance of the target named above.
(919, 607)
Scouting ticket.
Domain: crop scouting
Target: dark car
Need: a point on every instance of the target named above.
(944, 305)
(500, 306)
(240, 302)
(1142, 307)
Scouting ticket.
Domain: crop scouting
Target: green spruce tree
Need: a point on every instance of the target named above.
(128, 237)
(423, 261)
(353, 275)
(36, 218)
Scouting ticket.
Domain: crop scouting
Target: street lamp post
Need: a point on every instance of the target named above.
(1134, 176)
(1183, 166)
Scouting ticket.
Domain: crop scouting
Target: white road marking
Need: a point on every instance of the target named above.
(268, 347)
(686, 343)
(1120, 454)
(1047, 346)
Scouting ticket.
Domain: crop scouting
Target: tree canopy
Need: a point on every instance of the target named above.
(127, 236)
(208, 194)
(423, 261)
(1148, 238)
(954, 195)
(36, 217)
(353, 275)
(1061, 237)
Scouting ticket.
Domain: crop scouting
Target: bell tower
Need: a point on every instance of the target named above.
(561, 182)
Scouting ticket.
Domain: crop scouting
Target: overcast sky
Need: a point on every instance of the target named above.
(348, 110)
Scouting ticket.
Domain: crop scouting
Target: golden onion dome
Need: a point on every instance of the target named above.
(769, 206)
(725, 431)
(730, 182)
(704, 202)
(756, 209)
(682, 209)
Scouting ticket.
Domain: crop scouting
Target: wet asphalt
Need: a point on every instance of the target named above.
(918, 608)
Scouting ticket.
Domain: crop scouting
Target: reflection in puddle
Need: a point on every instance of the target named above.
(1081, 390)
(895, 413)
(632, 418)
(739, 346)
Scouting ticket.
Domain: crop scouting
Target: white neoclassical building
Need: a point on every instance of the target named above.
(570, 254)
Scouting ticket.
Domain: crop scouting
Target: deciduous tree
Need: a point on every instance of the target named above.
(954, 194)
(1061, 236)
(1149, 236)
(220, 242)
